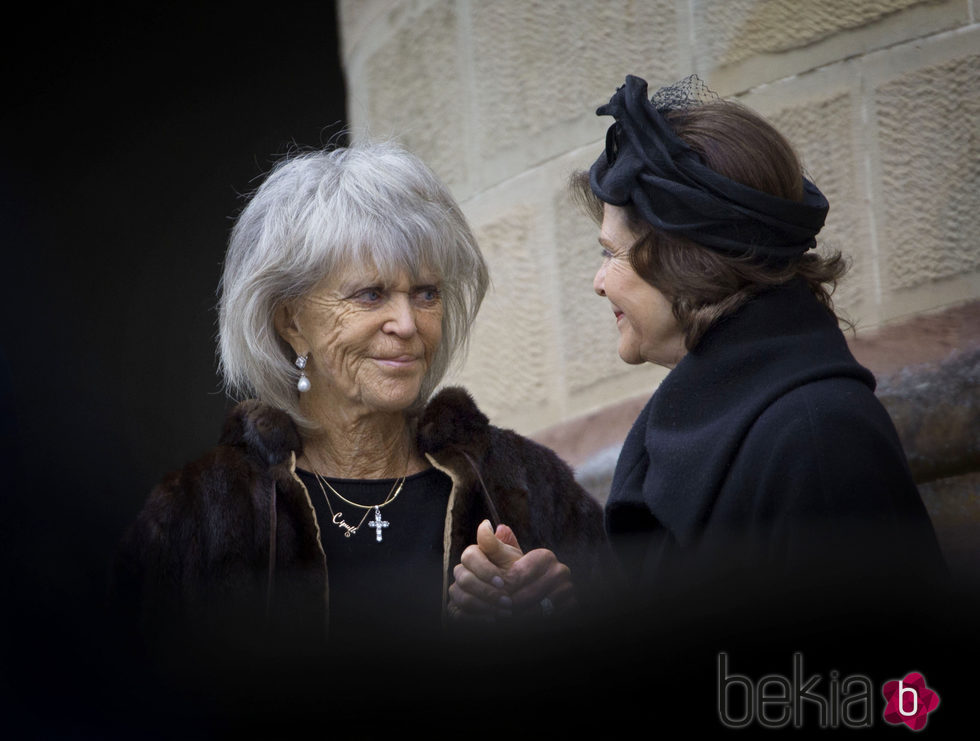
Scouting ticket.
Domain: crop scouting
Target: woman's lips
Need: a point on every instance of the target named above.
(398, 361)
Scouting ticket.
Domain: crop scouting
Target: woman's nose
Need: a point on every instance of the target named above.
(401, 320)
(598, 283)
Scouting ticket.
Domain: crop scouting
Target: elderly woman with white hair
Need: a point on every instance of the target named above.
(350, 285)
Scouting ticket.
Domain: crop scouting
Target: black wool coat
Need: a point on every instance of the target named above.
(229, 544)
(764, 454)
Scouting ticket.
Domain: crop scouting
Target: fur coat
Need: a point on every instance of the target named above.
(232, 537)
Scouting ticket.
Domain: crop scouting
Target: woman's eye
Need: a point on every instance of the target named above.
(428, 293)
(369, 295)
(606, 254)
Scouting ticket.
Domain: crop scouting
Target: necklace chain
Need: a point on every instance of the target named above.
(337, 517)
(393, 493)
(378, 523)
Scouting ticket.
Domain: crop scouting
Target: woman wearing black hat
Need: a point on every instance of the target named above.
(764, 454)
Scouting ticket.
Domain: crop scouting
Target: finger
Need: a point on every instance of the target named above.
(458, 614)
(474, 587)
(560, 600)
(555, 582)
(476, 561)
(469, 604)
(499, 553)
(464, 604)
(529, 568)
(506, 535)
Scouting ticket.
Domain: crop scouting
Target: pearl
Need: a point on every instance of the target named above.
(303, 384)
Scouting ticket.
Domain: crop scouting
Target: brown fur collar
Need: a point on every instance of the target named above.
(267, 434)
(451, 422)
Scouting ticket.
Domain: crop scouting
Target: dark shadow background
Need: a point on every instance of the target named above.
(128, 141)
(129, 137)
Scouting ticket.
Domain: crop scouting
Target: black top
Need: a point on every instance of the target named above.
(766, 448)
(388, 589)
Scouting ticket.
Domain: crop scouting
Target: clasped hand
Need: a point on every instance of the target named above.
(496, 579)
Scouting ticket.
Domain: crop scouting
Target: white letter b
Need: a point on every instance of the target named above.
(901, 699)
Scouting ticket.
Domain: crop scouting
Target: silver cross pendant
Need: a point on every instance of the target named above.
(378, 523)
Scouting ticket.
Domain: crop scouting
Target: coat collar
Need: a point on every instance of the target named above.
(676, 456)
(450, 426)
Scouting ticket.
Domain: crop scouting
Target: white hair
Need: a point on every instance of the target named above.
(369, 204)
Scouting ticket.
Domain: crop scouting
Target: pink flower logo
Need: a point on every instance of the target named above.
(909, 701)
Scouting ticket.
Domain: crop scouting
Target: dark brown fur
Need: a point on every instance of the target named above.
(533, 490)
(199, 550)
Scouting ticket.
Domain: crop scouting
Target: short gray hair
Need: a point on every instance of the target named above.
(319, 211)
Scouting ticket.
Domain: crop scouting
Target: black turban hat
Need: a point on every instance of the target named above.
(649, 167)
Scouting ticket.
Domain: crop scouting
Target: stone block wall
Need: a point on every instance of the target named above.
(880, 97)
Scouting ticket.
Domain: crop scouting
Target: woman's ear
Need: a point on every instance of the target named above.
(286, 325)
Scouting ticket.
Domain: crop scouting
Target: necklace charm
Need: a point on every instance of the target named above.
(339, 522)
(338, 517)
(378, 523)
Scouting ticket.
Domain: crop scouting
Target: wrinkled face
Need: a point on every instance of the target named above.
(648, 330)
(370, 342)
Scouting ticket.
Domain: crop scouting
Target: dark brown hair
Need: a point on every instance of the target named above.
(705, 285)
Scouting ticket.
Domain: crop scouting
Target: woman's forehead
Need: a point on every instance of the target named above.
(616, 228)
(368, 273)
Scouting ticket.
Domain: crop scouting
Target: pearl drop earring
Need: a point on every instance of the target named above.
(303, 384)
